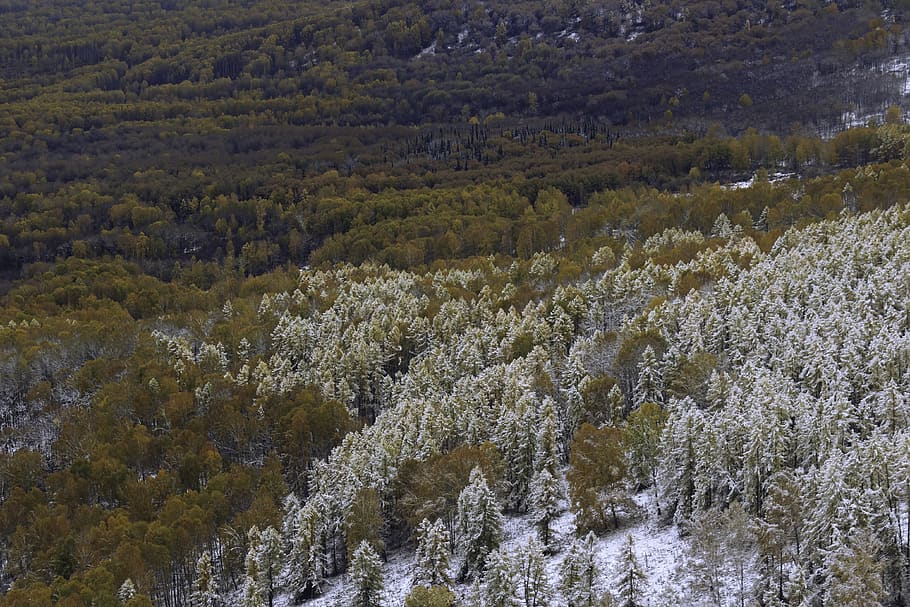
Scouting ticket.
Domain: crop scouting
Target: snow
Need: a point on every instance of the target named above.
(740, 185)
(660, 550)
(430, 50)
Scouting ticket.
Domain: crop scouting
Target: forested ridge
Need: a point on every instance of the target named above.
(383, 301)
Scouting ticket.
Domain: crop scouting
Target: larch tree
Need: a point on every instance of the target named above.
(649, 388)
(252, 591)
(366, 576)
(479, 523)
(501, 580)
(546, 491)
(629, 578)
(580, 574)
(205, 585)
(269, 563)
(432, 554)
(534, 587)
(597, 476)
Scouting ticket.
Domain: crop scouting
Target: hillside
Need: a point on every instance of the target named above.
(299, 296)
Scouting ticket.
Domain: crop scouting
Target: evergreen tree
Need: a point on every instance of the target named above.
(205, 585)
(547, 455)
(252, 593)
(269, 563)
(127, 591)
(305, 554)
(649, 388)
(580, 575)
(366, 575)
(501, 580)
(534, 587)
(479, 522)
(432, 554)
(545, 494)
(630, 579)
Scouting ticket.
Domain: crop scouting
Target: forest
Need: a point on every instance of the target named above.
(487, 304)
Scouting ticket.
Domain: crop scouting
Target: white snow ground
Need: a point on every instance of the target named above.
(661, 552)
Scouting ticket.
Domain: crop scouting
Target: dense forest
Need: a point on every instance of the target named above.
(382, 301)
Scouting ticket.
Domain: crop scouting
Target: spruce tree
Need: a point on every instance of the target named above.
(479, 522)
(534, 587)
(501, 580)
(630, 578)
(432, 554)
(580, 574)
(366, 575)
(205, 585)
(127, 591)
(649, 388)
(545, 494)
(252, 595)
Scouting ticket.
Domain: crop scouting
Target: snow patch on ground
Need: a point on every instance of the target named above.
(661, 552)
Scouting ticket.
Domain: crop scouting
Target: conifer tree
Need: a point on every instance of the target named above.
(127, 591)
(432, 554)
(545, 494)
(649, 388)
(630, 579)
(305, 554)
(580, 575)
(534, 587)
(205, 585)
(269, 564)
(251, 594)
(547, 455)
(366, 575)
(479, 522)
(501, 580)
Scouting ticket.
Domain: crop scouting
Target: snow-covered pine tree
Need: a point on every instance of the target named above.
(205, 585)
(479, 523)
(534, 587)
(251, 593)
(305, 558)
(630, 579)
(616, 404)
(432, 554)
(545, 493)
(547, 453)
(366, 576)
(580, 575)
(127, 591)
(270, 558)
(649, 388)
(501, 585)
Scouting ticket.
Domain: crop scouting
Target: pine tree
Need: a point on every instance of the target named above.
(547, 454)
(534, 587)
(649, 388)
(580, 574)
(500, 580)
(479, 522)
(205, 585)
(545, 494)
(305, 555)
(252, 595)
(432, 554)
(269, 562)
(366, 575)
(127, 591)
(630, 579)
